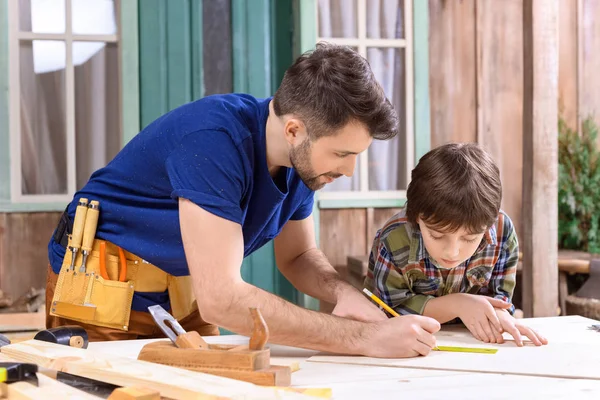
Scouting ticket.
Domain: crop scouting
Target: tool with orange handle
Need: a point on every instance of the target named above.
(122, 263)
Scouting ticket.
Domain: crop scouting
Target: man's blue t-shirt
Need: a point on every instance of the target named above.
(212, 152)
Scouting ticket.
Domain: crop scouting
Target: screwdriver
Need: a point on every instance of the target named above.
(89, 232)
(77, 233)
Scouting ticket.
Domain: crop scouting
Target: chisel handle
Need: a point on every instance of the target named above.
(91, 222)
(80, 214)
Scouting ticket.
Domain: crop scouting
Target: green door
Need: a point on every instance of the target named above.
(192, 48)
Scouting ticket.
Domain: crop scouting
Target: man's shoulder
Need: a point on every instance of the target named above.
(238, 114)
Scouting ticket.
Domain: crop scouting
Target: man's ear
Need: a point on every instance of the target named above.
(295, 131)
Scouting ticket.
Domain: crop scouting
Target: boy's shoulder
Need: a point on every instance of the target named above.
(396, 232)
(504, 228)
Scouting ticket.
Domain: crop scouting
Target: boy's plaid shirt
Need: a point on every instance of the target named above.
(402, 274)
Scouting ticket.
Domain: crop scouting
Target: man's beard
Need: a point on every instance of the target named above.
(300, 159)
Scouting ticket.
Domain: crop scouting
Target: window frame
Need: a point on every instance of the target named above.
(415, 43)
(46, 202)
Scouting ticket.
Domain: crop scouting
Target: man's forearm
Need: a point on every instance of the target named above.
(288, 324)
(442, 309)
(311, 273)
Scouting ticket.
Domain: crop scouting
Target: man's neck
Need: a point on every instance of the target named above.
(276, 149)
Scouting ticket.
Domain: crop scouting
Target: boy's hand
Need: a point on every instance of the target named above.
(516, 329)
(478, 315)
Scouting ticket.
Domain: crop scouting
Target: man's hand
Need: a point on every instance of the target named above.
(516, 329)
(399, 337)
(478, 314)
(352, 304)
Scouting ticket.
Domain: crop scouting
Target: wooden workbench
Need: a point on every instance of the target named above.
(362, 382)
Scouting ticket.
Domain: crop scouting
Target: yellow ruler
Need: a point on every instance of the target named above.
(466, 349)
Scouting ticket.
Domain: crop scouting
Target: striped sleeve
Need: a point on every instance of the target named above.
(385, 278)
(503, 279)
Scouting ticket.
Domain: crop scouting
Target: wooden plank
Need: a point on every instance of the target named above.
(452, 71)
(342, 233)
(134, 393)
(500, 94)
(567, 62)
(540, 158)
(11, 322)
(24, 251)
(590, 61)
(171, 382)
(48, 389)
(575, 356)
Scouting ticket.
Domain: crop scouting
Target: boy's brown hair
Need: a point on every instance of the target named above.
(455, 186)
(331, 86)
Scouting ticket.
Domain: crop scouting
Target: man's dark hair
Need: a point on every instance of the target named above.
(454, 186)
(331, 86)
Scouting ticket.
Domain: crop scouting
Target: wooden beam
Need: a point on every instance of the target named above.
(171, 382)
(539, 239)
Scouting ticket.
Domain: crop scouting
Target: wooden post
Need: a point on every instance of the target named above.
(539, 242)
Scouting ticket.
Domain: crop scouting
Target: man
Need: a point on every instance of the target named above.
(210, 182)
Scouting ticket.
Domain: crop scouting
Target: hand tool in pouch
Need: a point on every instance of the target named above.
(77, 234)
(251, 363)
(89, 231)
(122, 271)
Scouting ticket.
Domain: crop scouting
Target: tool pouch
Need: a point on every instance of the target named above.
(91, 299)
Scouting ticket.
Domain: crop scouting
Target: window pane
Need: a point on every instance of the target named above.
(97, 110)
(42, 16)
(337, 18)
(43, 127)
(94, 17)
(385, 19)
(387, 164)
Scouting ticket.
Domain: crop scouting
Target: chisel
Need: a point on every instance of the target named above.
(89, 231)
(76, 235)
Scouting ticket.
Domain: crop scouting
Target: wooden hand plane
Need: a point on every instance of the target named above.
(251, 362)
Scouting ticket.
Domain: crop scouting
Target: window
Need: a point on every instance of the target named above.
(65, 118)
(381, 31)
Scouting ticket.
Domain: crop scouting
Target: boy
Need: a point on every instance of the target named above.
(451, 252)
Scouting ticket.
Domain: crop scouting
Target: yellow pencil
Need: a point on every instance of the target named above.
(440, 348)
(381, 303)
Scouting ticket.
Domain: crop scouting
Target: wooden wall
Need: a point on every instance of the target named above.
(350, 232)
(24, 251)
(476, 94)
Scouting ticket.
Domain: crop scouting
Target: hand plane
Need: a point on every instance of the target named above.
(251, 362)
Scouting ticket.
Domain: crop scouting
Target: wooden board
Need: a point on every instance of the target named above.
(171, 382)
(452, 74)
(539, 238)
(23, 250)
(48, 389)
(567, 62)
(500, 94)
(342, 233)
(21, 322)
(577, 355)
(590, 60)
